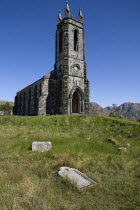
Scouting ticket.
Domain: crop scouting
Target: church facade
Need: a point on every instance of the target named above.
(65, 90)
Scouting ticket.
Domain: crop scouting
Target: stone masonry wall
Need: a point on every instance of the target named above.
(26, 100)
(47, 102)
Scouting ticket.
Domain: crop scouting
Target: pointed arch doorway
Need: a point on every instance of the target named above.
(77, 102)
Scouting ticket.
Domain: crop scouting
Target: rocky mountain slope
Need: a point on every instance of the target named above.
(97, 110)
(128, 109)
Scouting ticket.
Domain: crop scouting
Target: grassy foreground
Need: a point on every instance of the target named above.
(28, 179)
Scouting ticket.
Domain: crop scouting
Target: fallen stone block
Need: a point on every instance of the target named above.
(127, 145)
(122, 149)
(75, 177)
(1, 112)
(112, 140)
(41, 146)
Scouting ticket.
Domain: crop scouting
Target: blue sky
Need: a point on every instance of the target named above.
(112, 35)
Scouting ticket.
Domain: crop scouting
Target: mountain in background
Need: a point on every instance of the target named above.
(97, 110)
(128, 110)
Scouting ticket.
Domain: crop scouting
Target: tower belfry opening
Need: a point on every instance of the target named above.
(75, 40)
(60, 41)
(65, 90)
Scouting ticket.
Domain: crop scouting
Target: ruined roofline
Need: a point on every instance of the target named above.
(69, 18)
(67, 14)
(34, 82)
(29, 85)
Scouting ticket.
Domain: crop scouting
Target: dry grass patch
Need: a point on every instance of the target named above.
(29, 179)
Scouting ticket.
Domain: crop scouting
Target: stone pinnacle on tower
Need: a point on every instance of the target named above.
(80, 16)
(59, 19)
(67, 10)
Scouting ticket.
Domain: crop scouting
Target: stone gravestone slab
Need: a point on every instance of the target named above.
(76, 177)
(41, 146)
(1, 112)
(122, 148)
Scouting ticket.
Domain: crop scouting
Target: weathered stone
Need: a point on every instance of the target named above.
(127, 145)
(75, 177)
(96, 110)
(65, 90)
(41, 146)
(112, 140)
(1, 112)
(122, 149)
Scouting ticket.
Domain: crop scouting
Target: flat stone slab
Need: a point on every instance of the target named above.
(41, 146)
(122, 148)
(76, 177)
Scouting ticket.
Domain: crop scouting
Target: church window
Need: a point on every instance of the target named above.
(76, 67)
(60, 67)
(20, 104)
(40, 89)
(60, 41)
(29, 101)
(35, 100)
(75, 40)
(24, 103)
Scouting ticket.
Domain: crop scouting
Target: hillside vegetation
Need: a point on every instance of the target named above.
(28, 180)
(6, 107)
(4, 102)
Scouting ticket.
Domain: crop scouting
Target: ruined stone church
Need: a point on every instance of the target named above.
(65, 90)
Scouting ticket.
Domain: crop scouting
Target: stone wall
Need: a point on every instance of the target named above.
(27, 100)
(38, 98)
(47, 102)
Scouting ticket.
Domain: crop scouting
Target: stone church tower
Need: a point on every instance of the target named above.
(65, 90)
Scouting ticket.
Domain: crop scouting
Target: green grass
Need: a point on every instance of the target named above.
(28, 180)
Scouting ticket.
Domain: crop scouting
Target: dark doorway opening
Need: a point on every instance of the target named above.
(75, 103)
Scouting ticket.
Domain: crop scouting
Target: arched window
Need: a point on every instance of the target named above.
(40, 89)
(35, 100)
(24, 97)
(19, 104)
(60, 68)
(75, 40)
(29, 101)
(60, 41)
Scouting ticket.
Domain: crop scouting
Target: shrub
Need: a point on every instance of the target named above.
(7, 108)
(116, 115)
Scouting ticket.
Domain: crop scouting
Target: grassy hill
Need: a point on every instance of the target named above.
(29, 181)
(4, 102)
